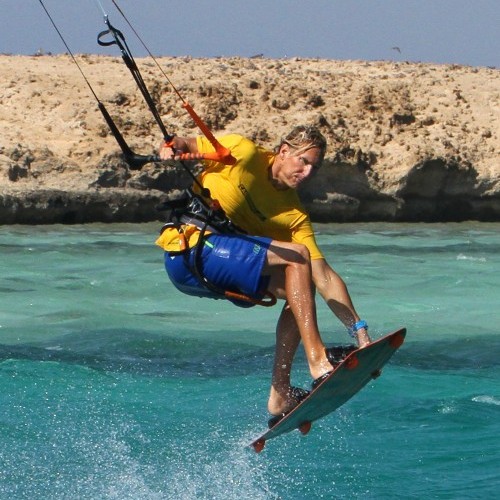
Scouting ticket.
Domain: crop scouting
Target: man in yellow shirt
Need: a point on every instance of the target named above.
(278, 253)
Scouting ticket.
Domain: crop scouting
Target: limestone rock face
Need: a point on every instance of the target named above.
(407, 142)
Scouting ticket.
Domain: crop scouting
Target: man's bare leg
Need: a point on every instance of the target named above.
(287, 342)
(290, 263)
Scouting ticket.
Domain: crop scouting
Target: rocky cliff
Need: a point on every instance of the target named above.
(407, 142)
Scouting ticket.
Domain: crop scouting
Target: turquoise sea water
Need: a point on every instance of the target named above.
(115, 386)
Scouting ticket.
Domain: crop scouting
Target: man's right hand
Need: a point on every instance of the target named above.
(166, 151)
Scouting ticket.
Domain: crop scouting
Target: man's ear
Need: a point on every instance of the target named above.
(284, 150)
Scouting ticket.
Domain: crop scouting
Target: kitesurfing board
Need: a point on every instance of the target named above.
(348, 378)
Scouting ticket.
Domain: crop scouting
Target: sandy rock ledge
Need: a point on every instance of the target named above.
(407, 142)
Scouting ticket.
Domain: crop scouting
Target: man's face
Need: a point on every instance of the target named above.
(295, 166)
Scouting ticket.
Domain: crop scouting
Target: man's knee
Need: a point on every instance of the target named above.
(301, 252)
(281, 253)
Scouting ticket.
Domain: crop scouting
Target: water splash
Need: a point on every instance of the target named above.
(490, 400)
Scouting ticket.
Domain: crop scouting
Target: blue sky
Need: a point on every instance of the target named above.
(437, 31)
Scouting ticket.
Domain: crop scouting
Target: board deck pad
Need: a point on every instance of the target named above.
(347, 379)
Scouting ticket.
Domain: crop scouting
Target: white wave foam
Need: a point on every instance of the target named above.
(490, 400)
(461, 256)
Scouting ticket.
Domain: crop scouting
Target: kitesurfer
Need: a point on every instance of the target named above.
(258, 194)
(275, 253)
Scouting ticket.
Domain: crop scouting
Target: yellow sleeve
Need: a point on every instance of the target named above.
(305, 235)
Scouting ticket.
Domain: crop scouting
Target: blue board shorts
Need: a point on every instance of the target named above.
(231, 262)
